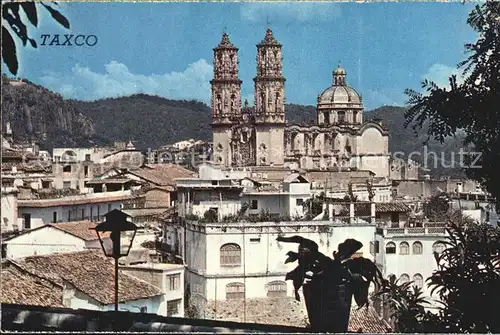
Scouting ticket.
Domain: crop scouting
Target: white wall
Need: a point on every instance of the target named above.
(9, 209)
(44, 215)
(43, 241)
(423, 264)
(261, 260)
(76, 299)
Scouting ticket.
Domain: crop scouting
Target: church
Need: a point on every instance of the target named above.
(260, 136)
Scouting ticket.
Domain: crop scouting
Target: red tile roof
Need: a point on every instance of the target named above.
(386, 207)
(20, 287)
(162, 174)
(81, 229)
(366, 320)
(270, 311)
(89, 272)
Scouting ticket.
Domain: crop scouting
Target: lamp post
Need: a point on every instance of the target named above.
(121, 233)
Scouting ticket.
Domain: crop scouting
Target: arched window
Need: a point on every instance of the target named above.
(230, 255)
(404, 278)
(418, 280)
(390, 248)
(276, 289)
(404, 248)
(438, 247)
(417, 248)
(235, 291)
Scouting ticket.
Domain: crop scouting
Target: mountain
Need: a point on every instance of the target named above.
(39, 114)
(150, 121)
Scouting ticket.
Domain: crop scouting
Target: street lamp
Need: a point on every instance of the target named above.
(121, 233)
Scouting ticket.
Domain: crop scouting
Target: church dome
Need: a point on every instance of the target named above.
(339, 92)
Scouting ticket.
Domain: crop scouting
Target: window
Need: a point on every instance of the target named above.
(418, 280)
(173, 282)
(54, 217)
(404, 248)
(173, 307)
(87, 157)
(355, 117)
(230, 255)
(91, 213)
(404, 278)
(66, 185)
(86, 171)
(395, 217)
(276, 289)
(299, 202)
(390, 248)
(341, 117)
(98, 212)
(109, 208)
(438, 247)
(235, 291)
(67, 168)
(69, 215)
(255, 240)
(214, 182)
(27, 220)
(417, 248)
(326, 117)
(254, 204)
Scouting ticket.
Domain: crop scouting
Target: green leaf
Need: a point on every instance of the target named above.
(61, 19)
(29, 8)
(9, 55)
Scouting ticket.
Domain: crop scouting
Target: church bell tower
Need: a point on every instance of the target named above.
(226, 99)
(269, 96)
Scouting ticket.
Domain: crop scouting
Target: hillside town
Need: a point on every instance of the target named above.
(210, 215)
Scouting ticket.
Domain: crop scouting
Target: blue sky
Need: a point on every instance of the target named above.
(166, 48)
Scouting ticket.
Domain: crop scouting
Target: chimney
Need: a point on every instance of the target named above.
(372, 212)
(351, 212)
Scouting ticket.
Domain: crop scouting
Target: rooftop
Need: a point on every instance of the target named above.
(89, 272)
(21, 286)
(162, 174)
(81, 229)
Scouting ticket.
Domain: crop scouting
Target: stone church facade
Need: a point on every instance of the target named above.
(261, 136)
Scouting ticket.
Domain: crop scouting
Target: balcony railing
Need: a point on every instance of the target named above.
(414, 231)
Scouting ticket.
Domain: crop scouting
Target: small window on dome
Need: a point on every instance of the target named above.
(341, 116)
(326, 117)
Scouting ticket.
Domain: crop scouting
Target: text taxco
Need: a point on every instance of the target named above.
(68, 40)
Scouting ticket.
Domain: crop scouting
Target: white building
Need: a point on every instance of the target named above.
(52, 238)
(407, 253)
(226, 261)
(9, 209)
(168, 277)
(38, 212)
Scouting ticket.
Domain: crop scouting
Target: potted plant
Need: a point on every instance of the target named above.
(328, 284)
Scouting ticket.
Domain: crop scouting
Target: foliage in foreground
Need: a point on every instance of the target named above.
(467, 283)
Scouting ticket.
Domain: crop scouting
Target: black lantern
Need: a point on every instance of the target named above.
(121, 233)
